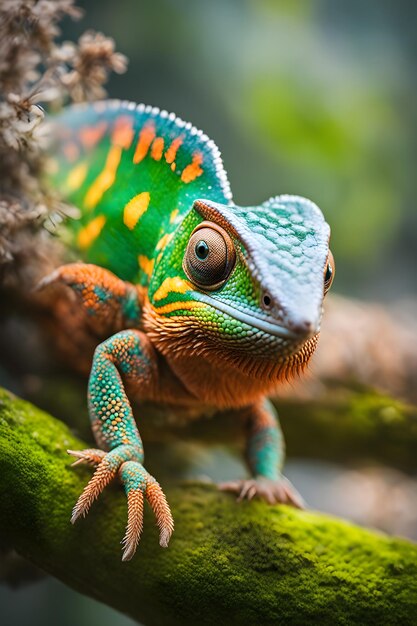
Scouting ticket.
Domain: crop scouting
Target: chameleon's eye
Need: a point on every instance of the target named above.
(202, 250)
(209, 257)
(329, 272)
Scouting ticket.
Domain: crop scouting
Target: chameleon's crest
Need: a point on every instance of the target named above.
(115, 160)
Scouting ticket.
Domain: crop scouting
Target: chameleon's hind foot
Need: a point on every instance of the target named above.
(138, 484)
(273, 491)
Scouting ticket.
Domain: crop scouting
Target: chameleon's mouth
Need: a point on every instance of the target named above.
(271, 327)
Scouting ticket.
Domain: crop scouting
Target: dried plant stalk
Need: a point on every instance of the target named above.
(36, 69)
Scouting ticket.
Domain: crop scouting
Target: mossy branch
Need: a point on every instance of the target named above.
(227, 563)
(352, 424)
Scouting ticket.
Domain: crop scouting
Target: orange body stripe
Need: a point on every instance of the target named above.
(105, 179)
(146, 137)
(157, 148)
(135, 208)
(193, 170)
(171, 153)
(90, 135)
(123, 132)
(89, 233)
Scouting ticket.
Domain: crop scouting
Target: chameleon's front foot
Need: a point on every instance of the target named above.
(138, 483)
(273, 491)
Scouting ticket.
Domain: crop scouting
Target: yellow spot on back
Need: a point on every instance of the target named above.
(175, 284)
(173, 216)
(89, 233)
(123, 132)
(171, 153)
(135, 208)
(157, 148)
(193, 170)
(145, 264)
(105, 179)
(76, 176)
(164, 241)
(146, 137)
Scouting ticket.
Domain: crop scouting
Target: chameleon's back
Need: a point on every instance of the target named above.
(133, 171)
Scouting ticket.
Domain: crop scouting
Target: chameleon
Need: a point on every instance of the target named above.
(218, 303)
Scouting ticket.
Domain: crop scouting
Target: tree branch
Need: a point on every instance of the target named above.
(227, 563)
(345, 424)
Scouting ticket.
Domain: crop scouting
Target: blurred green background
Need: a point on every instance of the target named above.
(316, 98)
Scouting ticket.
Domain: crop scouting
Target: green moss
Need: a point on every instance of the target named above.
(227, 563)
(352, 424)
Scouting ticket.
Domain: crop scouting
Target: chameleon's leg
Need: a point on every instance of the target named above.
(265, 453)
(128, 353)
(108, 301)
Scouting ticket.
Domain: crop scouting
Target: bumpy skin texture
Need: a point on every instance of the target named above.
(220, 302)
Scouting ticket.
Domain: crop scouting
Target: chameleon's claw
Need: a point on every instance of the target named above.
(93, 456)
(160, 507)
(134, 523)
(47, 280)
(104, 474)
(273, 491)
(164, 520)
(139, 483)
(248, 491)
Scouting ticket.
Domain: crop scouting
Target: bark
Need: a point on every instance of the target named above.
(227, 563)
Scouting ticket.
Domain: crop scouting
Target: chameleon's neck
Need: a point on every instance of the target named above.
(224, 386)
(213, 371)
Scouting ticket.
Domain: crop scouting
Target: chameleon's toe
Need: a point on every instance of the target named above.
(273, 491)
(106, 470)
(47, 280)
(93, 456)
(138, 484)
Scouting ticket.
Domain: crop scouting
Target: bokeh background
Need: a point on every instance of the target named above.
(313, 98)
(316, 98)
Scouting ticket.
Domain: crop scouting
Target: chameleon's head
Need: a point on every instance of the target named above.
(245, 284)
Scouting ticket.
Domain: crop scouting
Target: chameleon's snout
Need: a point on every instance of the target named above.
(304, 327)
(299, 325)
